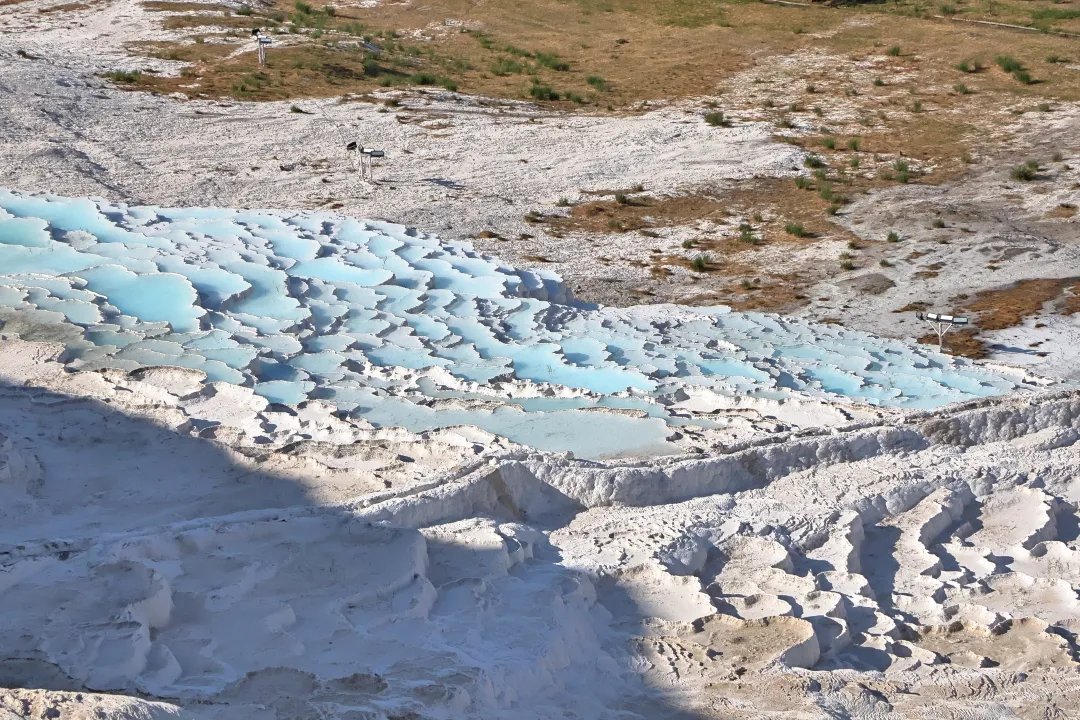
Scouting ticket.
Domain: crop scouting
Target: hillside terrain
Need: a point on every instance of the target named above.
(601, 395)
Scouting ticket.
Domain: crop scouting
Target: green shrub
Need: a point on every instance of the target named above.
(621, 198)
(916, 106)
(700, 263)
(506, 66)
(1008, 64)
(245, 10)
(795, 230)
(854, 162)
(802, 183)
(961, 89)
(598, 82)
(302, 7)
(818, 111)
(449, 84)
(423, 79)
(813, 161)
(878, 82)
(1043, 107)
(784, 122)
(124, 76)
(825, 192)
(893, 237)
(828, 143)
(969, 66)
(847, 265)
(551, 60)
(894, 51)
(542, 92)
(687, 244)
(853, 144)
(717, 119)
(1025, 172)
(938, 223)
(1023, 76)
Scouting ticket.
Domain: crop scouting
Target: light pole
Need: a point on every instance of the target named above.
(941, 324)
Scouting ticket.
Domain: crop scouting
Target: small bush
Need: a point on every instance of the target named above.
(851, 92)
(758, 217)
(687, 244)
(330, 10)
(916, 106)
(784, 122)
(894, 51)
(794, 107)
(506, 66)
(938, 223)
(700, 263)
(878, 82)
(852, 245)
(449, 85)
(885, 263)
(795, 230)
(854, 162)
(948, 9)
(124, 76)
(1043, 107)
(245, 10)
(423, 79)
(828, 143)
(297, 110)
(1008, 64)
(811, 88)
(543, 92)
(621, 198)
(746, 235)
(302, 7)
(574, 97)
(551, 60)
(598, 82)
(1023, 76)
(893, 237)
(847, 265)
(1057, 157)
(813, 161)
(833, 209)
(717, 119)
(825, 192)
(802, 183)
(818, 111)
(901, 166)
(1024, 173)
(1056, 59)
(969, 66)
(562, 202)
(819, 174)
(853, 144)
(961, 89)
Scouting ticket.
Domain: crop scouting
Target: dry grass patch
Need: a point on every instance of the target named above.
(1008, 307)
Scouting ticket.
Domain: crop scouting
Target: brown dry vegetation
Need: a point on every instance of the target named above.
(1008, 307)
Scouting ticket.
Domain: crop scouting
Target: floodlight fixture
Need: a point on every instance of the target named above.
(942, 324)
(364, 158)
(261, 43)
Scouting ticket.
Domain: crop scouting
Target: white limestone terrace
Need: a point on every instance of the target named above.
(404, 330)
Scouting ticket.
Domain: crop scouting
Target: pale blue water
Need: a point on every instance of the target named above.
(307, 305)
